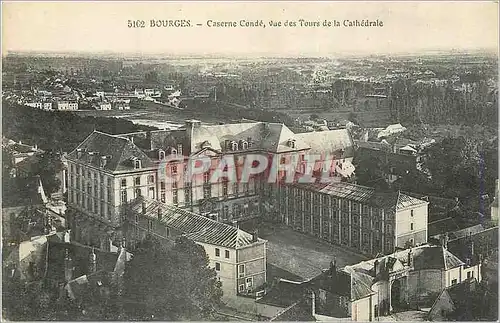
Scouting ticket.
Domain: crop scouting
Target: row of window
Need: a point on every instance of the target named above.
(137, 181)
(226, 253)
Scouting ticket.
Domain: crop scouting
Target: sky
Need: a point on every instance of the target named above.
(408, 27)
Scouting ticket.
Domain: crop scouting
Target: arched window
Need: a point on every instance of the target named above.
(234, 145)
(161, 154)
(173, 151)
(244, 145)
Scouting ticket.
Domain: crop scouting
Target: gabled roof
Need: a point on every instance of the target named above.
(120, 152)
(194, 226)
(363, 194)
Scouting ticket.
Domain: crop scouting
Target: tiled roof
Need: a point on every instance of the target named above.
(194, 226)
(363, 194)
(119, 150)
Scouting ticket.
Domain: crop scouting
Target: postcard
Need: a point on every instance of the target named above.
(250, 161)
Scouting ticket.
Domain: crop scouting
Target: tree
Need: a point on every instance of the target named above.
(48, 166)
(171, 284)
(371, 171)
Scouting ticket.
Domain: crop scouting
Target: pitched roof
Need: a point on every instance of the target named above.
(194, 226)
(284, 293)
(442, 226)
(119, 152)
(334, 142)
(363, 194)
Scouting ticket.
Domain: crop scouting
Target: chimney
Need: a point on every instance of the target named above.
(144, 207)
(255, 236)
(375, 267)
(410, 258)
(190, 126)
(68, 266)
(333, 267)
(471, 247)
(92, 262)
(444, 240)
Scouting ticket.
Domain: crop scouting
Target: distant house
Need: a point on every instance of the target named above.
(455, 303)
(103, 106)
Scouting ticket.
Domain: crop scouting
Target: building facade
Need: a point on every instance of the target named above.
(107, 171)
(238, 257)
(351, 215)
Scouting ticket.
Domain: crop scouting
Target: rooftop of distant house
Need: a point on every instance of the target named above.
(22, 192)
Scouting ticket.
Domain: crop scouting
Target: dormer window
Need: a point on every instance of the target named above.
(243, 144)
(173, 151)
(79, 153)
(137, 162)
(234, 145)
(291, 143)
(161, 154)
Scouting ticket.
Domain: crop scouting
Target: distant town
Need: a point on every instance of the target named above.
(264, 189)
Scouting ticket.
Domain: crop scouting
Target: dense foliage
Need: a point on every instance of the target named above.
(61, 131)
(171, 284)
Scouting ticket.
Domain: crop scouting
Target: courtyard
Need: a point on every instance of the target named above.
(296, 256)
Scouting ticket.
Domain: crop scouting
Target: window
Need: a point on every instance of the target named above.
(137, 164)
(151, 179)
(454, 282)
(283, 160)
(217, 252)
(206, 177)
(138, 192)
(207, 192)
(109, 182)
(234, 145)
(174, 169)
(187, 196)
(226, 254)
(468, 275)
(217, 266)
(242, 287)
(162, 197)
(124, 182)
(174, 184)
(249, 282)
(244, 145)
(224, 188)
(138, 180)
(124, 197)
(161, 154)
(246, 188)
(236, 188)
(150, 225)
(175, 197)
(411, 226)
(241, 269)
(162, 185)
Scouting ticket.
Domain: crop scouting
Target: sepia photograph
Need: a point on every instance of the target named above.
(250, 161)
